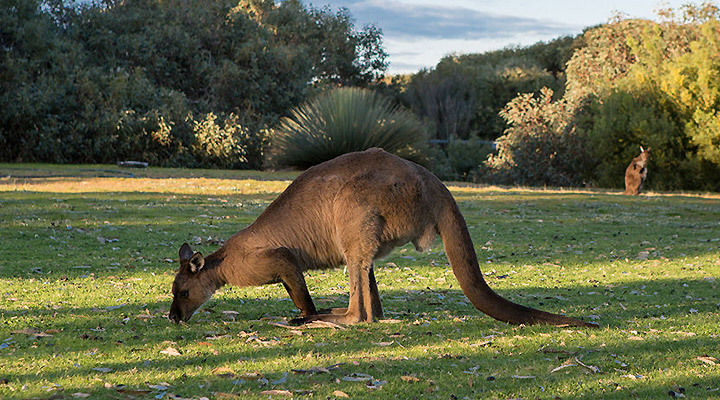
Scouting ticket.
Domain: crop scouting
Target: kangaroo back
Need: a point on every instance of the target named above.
(461, 253)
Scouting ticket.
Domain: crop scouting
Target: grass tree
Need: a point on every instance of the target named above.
(345, 120)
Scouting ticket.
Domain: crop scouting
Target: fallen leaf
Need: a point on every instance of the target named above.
(79, 395)
(708, 360)
(675, 394)
(633, 377)
(315, 370)
(32, 332)
(410, 378)
(373, 384)
(226, 395)
(276, 392)
(224, 372)
(564, 365)
(357, 377)
(592, 368)
(161, 386)
(102, 369)
(383, 344)
(171, 351)
(340, 393)
(325, 324)
(253, 376)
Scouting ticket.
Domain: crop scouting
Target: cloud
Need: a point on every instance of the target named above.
(423, 21)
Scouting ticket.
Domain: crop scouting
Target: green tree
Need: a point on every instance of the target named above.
(161, 80)
(462, 96)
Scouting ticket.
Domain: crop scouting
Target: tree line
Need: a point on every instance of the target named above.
(176, 83)
(200, 83)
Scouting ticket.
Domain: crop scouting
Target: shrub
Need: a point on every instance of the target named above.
(625, 121)
(540, 146)
(342, 121)
(462, 96)
(461, 159)
(226, 143)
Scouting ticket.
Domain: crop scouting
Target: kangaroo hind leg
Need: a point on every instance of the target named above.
(359, 239)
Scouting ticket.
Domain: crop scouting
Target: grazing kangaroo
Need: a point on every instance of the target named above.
(636, 173)
(351, 210)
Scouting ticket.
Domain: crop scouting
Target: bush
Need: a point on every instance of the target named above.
(540, 146)
(624, 122)
(226, 143)
(342, 121)
(462, 96)
(102, 81)
(461, 160)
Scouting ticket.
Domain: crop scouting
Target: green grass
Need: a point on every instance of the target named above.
(86, 264)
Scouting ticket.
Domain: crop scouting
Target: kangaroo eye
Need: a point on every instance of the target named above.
(184, 294)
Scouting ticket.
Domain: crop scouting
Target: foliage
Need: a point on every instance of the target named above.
(460, 160)
(111, 80)
(342, 121)
(540, 146)
(626, 121)
(445, 101)
(462, 95)
(666, 99)
(632, 83)
(227, 144)
(86, 270)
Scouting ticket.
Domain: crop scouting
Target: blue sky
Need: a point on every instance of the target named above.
(418, 33)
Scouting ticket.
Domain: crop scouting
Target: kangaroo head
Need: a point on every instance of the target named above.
(192, 286)
(644, 153)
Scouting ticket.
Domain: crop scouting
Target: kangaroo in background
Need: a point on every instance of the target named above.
(351, 210)
(636, 173)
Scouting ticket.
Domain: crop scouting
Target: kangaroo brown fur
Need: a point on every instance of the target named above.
(351, 210)
(636, 173)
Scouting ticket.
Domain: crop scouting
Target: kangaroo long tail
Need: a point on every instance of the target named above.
(459, 249)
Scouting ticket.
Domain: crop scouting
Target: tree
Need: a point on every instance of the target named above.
(160, 80)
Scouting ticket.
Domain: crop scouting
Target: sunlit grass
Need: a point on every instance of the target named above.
(86, 264)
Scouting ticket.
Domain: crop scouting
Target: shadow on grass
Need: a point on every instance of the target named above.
(39, 225)
(92, 336)
(511, 223)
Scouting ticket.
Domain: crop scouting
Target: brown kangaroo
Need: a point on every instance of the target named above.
(351, 210)
(636, 173)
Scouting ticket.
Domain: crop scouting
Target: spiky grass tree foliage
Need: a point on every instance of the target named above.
(342, 121)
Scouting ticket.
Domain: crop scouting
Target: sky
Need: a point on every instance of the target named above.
(418, 33)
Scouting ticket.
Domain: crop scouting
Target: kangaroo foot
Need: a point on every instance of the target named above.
(338, 316)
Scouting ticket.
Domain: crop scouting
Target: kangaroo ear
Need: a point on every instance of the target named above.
(196, 262)
(641, 149)
(185, 252)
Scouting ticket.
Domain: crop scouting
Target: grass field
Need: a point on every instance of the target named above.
(88, 253)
